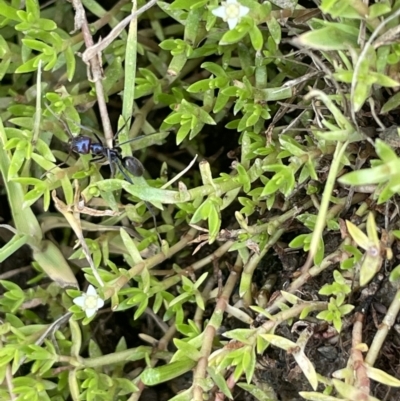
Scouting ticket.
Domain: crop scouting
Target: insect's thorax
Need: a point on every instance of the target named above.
(97, 149)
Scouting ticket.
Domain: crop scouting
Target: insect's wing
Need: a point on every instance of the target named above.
(145, 141)
(134, 166)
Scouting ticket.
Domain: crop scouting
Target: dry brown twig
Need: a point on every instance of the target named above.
(162, 346)
(95, 73)
(361, 379)
(92, 57)
(73, 218)
(93, 50)
(211, 329)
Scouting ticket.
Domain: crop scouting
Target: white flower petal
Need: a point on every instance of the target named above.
(80, 301)
(231, 1)
(91, 290)
(220, 12)
(100, 303)
(90, 312)
(232, 22)
(243, 11)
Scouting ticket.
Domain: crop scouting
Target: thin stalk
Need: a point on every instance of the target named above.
(313, 272)
(149, 264)
(96, 71)
(130, 76)
(247, 276)
(94, 50)
(384, 328)
(171, 281)
(205, 294)
(212, 327)
(326, 197)
(290, 313)
(162, 347)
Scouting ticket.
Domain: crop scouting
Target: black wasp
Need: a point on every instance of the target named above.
(84, 145)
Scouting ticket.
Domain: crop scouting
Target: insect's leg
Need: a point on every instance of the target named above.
(97, 137)
(112, 169)
(121, 168)
(112, 161)
(97, 159)
(60, 120)
(58, 165)
(152, 209)
(149, 206)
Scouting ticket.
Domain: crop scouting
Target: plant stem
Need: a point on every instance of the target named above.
(326, 197)
(209, 332)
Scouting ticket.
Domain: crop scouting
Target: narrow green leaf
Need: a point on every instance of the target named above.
(153, 376)
(15, 243)
(220, 381)
(327, 38)
(70, 62)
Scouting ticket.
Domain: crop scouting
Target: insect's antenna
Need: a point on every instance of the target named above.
(132, 140)
(151, 137)
(97, 137)
(91, 130)
(65, 125)
(119, 131)
(69, 134)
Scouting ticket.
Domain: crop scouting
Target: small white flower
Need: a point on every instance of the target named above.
(231, 11)
(89, 302)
